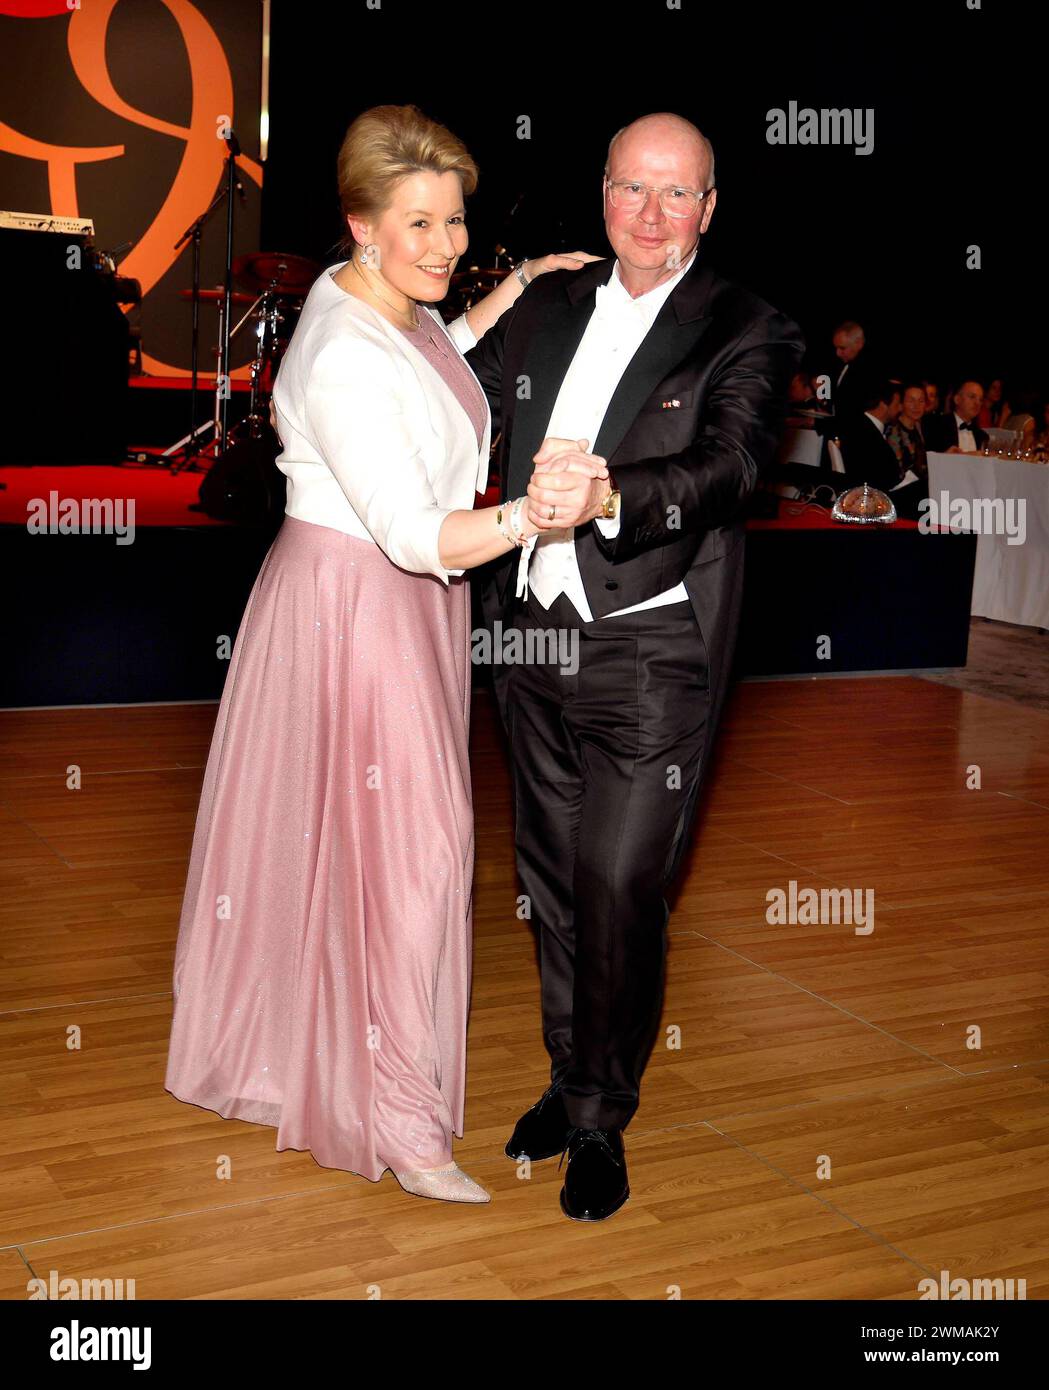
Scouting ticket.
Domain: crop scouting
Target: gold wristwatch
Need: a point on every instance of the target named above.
(610, 506)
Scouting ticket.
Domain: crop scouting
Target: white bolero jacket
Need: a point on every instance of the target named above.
(374, 443)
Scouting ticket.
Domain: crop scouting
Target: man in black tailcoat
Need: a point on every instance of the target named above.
(678, 379)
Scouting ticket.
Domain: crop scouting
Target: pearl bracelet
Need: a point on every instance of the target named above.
(515, 520)
(508, 519)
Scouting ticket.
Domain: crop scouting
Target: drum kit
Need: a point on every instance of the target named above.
(469, 286)
(272, 289)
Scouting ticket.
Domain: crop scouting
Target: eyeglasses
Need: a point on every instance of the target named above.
(675, 200)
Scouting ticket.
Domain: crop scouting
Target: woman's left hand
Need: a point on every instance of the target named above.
(481, 316)
(571, 260)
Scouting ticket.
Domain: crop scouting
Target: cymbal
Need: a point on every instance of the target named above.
(294, 274)
(216, 296)
(494, 273)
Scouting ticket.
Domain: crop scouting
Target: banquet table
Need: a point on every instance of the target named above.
(822, 596)
(1011, 581)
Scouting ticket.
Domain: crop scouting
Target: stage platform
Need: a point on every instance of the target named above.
(100, 622)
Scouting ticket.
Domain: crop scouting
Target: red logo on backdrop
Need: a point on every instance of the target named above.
(34, 9)
(203, 154)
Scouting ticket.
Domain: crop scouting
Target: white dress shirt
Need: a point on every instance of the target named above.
(617, 327)
(966, 438)
(375, 444)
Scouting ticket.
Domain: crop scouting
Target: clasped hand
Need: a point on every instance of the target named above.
(569, 481)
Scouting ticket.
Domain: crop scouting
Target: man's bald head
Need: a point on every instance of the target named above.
(968, 399)
(662, 130)
(653, 157)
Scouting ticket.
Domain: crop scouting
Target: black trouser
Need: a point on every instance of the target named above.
(606, 774)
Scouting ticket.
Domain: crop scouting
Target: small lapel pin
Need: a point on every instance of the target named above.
(672, 405)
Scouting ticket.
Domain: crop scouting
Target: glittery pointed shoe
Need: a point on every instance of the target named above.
(443, 1185)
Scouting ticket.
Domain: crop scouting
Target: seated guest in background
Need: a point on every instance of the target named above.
(820, 385)
(1023, 419)
(853, 381)
(958, 432)
(1025, 425)
(799, 393)
(995, 409)
(798, 390)
(818, 412)
(932, 397)
(802, 398)
(904, 434)
(865, 452)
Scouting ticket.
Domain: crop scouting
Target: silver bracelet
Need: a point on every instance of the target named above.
(519, 271)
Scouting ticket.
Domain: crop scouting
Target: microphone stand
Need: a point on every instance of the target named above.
(233, 146)
(187, 446)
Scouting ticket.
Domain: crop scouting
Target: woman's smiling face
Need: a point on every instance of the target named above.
(419, 238)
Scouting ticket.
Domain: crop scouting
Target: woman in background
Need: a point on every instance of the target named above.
(995, 409)
(1041, 439)
(1025, 426)
(904, 434)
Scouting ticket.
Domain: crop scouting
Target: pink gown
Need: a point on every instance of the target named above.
(323, 964)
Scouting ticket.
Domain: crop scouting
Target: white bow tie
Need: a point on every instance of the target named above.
(611, 306)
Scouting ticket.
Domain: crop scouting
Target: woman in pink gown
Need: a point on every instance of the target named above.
(322, 970)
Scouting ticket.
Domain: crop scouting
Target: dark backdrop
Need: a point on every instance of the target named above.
(959, 147)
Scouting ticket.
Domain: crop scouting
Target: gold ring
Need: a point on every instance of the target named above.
(553, 513)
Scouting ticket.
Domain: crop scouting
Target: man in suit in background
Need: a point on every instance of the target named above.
(678, 379)
(957, 432)
(855, 375)
(866, 453)
(869, 457)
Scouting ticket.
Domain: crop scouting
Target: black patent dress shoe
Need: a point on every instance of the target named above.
(542, 1131)
(596, 1178)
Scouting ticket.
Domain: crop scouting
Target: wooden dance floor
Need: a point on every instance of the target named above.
(822, 1127)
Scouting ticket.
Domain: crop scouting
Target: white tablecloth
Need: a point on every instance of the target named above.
(1011, 582)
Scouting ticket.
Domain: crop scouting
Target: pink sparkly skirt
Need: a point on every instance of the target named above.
(322, 972)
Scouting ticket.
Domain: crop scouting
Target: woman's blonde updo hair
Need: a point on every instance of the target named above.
(385, 145)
